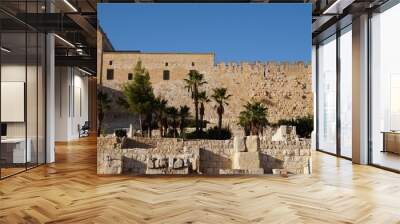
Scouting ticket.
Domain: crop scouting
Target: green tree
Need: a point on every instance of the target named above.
(183, 115)
(139, 95)
(193, 82)
(173, 115)
(203, 98)
(103, 105)
(220, 97)
(160, 106)
(254, 117)
(244, 121)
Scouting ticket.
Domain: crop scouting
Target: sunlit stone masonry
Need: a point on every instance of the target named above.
(240, 155)
(285, 88)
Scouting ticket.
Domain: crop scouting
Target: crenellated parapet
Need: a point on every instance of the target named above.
(264, 68)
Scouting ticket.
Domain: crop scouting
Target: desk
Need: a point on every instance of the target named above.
(391, 141)
(13, 150)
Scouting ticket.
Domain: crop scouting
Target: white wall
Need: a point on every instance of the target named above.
(71, 94)
(33, 125)
(62, 81)
(14, 73)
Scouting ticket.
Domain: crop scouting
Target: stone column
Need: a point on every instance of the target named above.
(252, 143)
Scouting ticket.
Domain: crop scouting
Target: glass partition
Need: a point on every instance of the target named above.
(385, 89)
(346, 92)
(13, 94)
(22, 88)
(31, 97)
(327, 95)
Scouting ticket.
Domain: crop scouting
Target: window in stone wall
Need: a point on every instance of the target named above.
(166, 75)
(110, 63)
(166, 63)
(192, 63)
(110, 74)
(130, 76)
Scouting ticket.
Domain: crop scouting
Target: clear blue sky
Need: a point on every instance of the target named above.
(234, 32)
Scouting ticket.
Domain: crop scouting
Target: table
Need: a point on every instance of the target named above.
(391, 141)
(13, 150)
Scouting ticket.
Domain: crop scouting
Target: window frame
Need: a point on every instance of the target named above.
(110, 74)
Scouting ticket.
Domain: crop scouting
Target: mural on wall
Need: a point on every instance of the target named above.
(182, 112)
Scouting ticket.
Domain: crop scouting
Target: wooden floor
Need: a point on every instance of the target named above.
(69, 191)
(387, 159)
(5, 172)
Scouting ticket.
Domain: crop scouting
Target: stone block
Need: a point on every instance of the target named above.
(246, 160)
(131, 131)
(258, 171)
(239, 144)
(111, 165)
(280, 134)
(178, 163)
(279, 171)
(209, 171)
(252, 143)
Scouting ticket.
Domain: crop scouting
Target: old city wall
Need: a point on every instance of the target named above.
(284, 87)
(178, 64)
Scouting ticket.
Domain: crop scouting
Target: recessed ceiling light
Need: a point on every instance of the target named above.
(70, 5)
(337, 7)
(86, 72)
(64, 40)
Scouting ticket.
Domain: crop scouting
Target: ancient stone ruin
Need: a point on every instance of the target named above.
(246, 157)
(241, 155)
(184, 163)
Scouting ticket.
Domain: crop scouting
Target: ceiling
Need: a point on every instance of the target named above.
(75, 21)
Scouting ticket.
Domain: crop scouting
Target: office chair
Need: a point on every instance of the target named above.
(84, 130)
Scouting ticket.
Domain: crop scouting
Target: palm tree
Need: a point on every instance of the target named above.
(193, 82)
(103, 105)
(173, 114)
(160, 106)
(202, 99)
(253, 118)
(183, 115)
(220, 97)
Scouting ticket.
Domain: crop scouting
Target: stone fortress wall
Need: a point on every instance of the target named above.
(284, 87)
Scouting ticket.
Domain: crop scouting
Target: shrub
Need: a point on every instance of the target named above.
(304, 125)
(120, 133)
(212, 133)
(215, 133)
(191, 123)
(195, 135)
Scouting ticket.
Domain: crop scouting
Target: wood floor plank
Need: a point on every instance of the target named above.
(69, 191)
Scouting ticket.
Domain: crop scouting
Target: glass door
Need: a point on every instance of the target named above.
(345, 59)
(22, 101)
(385, 89)
(327, 95)
(14, 153)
